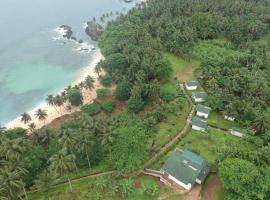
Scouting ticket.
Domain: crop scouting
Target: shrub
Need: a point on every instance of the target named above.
(106, 80)
(109, 106)
(123, 91)
(135, 104)
(75, 97)
(102, 92)
(168, 92)
(91, 109)
(126, 187)
(150, 189)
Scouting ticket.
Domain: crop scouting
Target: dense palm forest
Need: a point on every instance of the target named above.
(230, 38)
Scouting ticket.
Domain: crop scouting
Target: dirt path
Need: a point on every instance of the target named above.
(194, 194)
(78, 179)
(167, 195)
(211, 189)
(175, 140)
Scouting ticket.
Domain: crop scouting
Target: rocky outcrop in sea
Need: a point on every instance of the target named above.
(94, 30)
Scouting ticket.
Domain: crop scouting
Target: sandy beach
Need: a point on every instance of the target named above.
(56, 112)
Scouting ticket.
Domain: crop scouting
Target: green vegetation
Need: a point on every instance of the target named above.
(168, 92)
(106, 80)
(91, 109)
(108, 188)
(75, 97)
(230, 41)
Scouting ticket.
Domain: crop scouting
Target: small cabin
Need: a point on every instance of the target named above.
(203, 111)
(191, 85)
(199, 124)
(185, 169)
(199, 97)
(229, 118)
(237, 132)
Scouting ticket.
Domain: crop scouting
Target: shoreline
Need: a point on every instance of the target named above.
(56, 112)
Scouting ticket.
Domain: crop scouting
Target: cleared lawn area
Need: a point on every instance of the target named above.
(183, 69)
(88, 189)
(174, 123)
(218, 120)
(205, 144)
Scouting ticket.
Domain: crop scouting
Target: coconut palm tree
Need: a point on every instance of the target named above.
(85, 143)
(81, 85)
(41, 115)
(32, 127)
(25, 118)
(59, 101)
(62, 162)
(89, 82)
(67, 139)
(50, 100)
(108, 137)
(262, 121)
(98, 69)
(12, 149)
(11, 184)
(45, 137)
(46, 180)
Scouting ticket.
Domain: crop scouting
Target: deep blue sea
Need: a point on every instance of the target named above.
(34, 58)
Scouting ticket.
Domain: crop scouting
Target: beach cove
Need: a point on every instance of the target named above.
(37, 61)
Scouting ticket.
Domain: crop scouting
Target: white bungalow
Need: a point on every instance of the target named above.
(191, 85)
(199, 124)
(237, 132)
(203, 111)
(229, 118)
(184, 169)
(199, 96)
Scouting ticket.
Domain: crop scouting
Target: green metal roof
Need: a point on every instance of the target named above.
(192, 156)
(203, 109)
(199, 122)
(199, 95)
(186, 167)
(192, 83)
(237, 130)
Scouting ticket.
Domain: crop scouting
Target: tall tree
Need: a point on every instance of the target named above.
(62, 163)
(25, 118)
(85, 143)
(41, 115)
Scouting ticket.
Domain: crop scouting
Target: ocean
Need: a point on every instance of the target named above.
(35, 59)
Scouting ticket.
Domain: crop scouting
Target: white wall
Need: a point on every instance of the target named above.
(200, 114)
(198, 100)
(197, 128)
(187, 187)
(236, 133)
(191, 87)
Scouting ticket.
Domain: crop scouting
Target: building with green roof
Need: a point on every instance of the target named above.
(185, 168)
(203, 111)
(199, 124)
(237, 132)
(199, 96)
(191, 85)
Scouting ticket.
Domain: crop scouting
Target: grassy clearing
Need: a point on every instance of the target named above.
(174, 123)
(205, 144)
(183, 69)
(88, 189)
(217, 120)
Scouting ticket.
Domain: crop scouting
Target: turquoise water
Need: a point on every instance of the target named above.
(34, 62)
